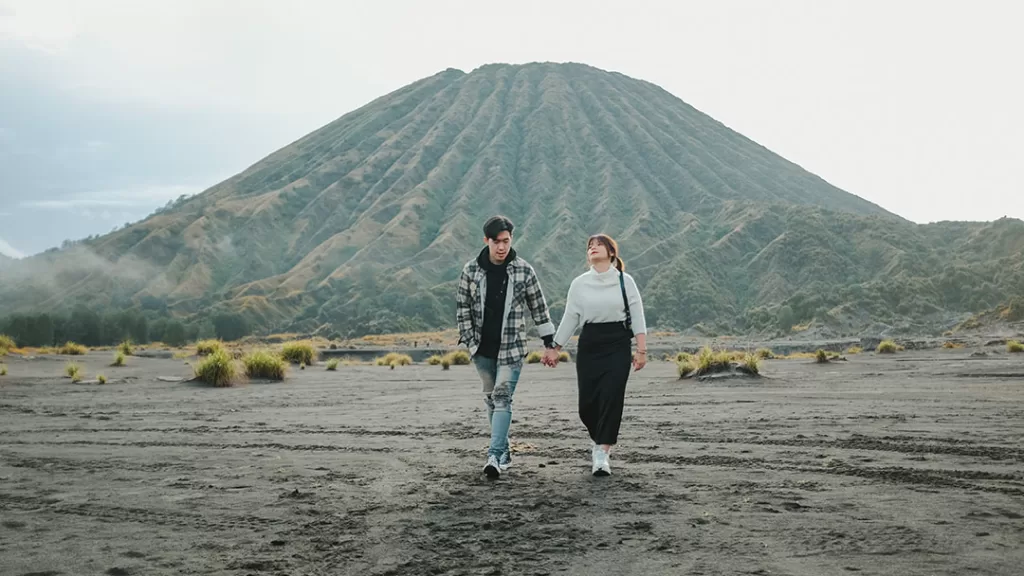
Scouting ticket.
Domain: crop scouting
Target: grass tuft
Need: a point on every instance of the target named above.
(119, 359)
(887, 347)
(752, 363)
(709, 361)
(435, 360)
(950, 345)
(101, 379)
(765, 354)
(217, 369)
(534, 357)
(332, 364)
(393, 359)
(207, 347)
(264, 364)
(854, 350)
(299, 352)
(821, 357)
(72, 349)
(3, 369)
(459, 358)
(73, 371)
(563, 356)
(1014, 347)
(685, 365)
(6, 344)
(446, 363)
(126, 348)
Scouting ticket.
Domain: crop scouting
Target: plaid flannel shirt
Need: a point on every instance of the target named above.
(525, 295)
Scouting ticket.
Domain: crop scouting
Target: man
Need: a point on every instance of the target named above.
(495, 290)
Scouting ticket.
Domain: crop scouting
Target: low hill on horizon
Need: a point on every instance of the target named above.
(363, 225)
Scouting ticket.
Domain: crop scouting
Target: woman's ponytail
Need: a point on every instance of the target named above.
(620, 264)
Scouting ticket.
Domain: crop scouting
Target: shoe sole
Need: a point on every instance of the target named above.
(602, 473)
(492, 472)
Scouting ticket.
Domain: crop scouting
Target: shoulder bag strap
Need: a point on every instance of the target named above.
(625, 300)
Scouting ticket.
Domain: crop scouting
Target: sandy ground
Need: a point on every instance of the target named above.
(910, 464)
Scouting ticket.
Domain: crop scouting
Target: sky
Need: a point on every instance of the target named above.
(111, 108)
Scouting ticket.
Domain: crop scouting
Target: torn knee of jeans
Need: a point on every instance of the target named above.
(501, 400)
(489, 401)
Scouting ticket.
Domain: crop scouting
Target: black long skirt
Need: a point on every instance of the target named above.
(603, 362)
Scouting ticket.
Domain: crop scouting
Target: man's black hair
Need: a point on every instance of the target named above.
(496, 225)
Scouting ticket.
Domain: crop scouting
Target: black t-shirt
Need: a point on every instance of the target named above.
(494, 303)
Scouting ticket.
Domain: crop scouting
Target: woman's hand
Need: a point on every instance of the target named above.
(551, 357)
(639, 360)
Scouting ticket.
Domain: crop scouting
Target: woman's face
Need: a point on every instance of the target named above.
(597, 252)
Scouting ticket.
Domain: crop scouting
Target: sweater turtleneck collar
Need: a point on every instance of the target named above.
(611, 272)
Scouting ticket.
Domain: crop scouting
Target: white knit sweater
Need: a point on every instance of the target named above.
(597, 297)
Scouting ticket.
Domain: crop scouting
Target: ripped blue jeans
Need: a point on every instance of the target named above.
(499, 384)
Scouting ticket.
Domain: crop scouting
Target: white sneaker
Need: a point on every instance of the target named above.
(602, 465)
(492, 469)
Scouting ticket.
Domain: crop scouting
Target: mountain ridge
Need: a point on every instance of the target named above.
(363, 224)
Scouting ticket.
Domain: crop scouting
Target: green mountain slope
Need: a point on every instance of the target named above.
(363, 225)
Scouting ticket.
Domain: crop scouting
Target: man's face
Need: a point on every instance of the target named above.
(499, 247)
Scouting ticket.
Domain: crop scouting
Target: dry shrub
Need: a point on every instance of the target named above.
(73, 371)
(446, 363)
(1014, 347)
(101, 379)
(217, 369)
(393, 359)
(299, 352)
(709, 361)
(459, 358)
(821, 357)
(6, 344)
(435, 360)
(332, 364)
(563, 356)
(949, 345)
(752, 363)
(72, 349)
(854, 350)
(264, 364)
(207, 347)
(126, 348)
(765, 354)
(534, 357)
(684, 366)
(887, 347)
(119, 359)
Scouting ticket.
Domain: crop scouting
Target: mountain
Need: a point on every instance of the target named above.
(363, 225)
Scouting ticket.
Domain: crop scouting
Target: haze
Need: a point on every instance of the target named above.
(108, 109)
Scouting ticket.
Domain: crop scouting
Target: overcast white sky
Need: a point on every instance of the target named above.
(913, 105)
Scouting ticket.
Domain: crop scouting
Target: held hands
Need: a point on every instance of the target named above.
(550, 357)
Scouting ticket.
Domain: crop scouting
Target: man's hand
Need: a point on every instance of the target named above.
(551, 357)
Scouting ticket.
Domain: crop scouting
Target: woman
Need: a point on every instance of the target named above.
(606, 302)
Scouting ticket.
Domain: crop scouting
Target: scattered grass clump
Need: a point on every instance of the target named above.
(208, 347)
(126, 348)
(534, 357)
(709, 361)
(72, 349)
(73, 371)
(119, 359)
(264, 364)
(299, 352)
(887, 347)
(950, 345)
(446, 363)
(217, 369)
(332, 364)
(101, 379)
(3, 369)
(6, 344)
(765, 354)
(821, 357)
(854, 350)
(563, 356)
(459, 358)
(752, 363)
(435, 360)
(1014, 347)
(393, 359)
(685, 365)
